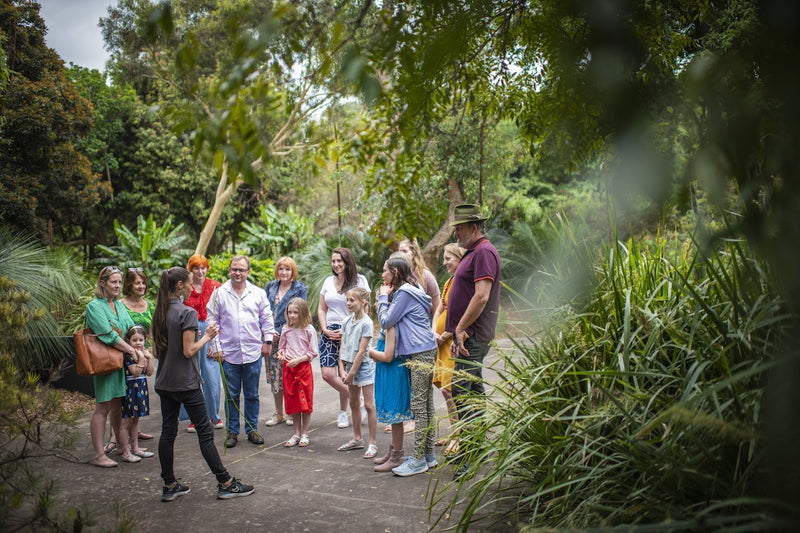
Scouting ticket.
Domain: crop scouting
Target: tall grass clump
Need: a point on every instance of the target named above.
(641, 408)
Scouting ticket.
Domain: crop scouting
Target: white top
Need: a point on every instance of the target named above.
(336, 302)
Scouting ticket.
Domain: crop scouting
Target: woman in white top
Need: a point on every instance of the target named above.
(331, 313)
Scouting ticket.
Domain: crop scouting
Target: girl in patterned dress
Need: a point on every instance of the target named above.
(136, 402)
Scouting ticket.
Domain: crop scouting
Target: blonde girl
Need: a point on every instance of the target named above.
(136, 402)
(296, 348)
(358, 370)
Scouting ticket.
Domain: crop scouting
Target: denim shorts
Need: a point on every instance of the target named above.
(365, 374)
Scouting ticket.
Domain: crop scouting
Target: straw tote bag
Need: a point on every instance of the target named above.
(93, 357)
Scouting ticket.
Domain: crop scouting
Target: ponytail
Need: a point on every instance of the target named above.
(166, 288)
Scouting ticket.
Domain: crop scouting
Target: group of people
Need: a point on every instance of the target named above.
(202, 332)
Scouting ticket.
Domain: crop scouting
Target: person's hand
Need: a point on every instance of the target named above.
(281, 356)
(461, 336)
(439, 340)
(348, 379)
(266, 347)
(384, 289)
(212, 330)
(294, 362)
(333, 335)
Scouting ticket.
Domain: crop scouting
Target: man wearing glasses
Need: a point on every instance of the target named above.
(244, 316)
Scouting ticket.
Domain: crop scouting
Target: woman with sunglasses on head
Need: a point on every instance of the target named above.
(109, 320)
(134, 288)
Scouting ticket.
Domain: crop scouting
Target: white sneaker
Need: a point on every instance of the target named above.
(343, 421)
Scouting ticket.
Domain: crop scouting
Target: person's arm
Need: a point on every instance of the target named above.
(390, 315)
(433, 292)
(100, 324)
(192, 345)
(474, 309)
(267, 326)
(387, 354)
(322, 314)
(363, 346)
(442, 337)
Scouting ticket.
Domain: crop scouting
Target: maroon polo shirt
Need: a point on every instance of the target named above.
(481, 261)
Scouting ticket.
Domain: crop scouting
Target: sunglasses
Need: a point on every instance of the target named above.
(135, 269)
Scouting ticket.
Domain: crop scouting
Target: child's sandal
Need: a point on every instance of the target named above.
(371, 452)
(293, 441)
(304, 441)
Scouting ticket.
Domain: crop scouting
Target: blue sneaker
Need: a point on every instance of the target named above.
(430, 459)
(411, 467)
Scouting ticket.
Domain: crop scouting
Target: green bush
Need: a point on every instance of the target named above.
(262, 271)
(639, 407)
(151, 246)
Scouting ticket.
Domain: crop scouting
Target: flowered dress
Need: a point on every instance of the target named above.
(137, 400)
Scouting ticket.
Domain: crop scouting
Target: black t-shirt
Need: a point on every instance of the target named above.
(176, 372)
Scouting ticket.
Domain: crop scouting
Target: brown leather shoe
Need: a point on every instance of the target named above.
(395, 460)
(232, 440)
(381, 460)
(255, 438)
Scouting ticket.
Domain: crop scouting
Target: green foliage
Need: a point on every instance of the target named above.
(43, 177)
(642, 407)
(152, 246)
(262, 271)
(314, 264)
(278, 233)
(52, 286)
(33, 421)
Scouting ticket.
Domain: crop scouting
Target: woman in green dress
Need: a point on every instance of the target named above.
(140, 310)
(108, 320)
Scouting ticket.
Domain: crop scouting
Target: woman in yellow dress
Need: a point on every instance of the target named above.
(443, 367)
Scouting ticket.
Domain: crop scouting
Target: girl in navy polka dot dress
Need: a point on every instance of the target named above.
(137, 401)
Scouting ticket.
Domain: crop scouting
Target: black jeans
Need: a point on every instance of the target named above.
(468, 393)
(195, 406)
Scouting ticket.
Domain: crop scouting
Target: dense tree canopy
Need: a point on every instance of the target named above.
(43, 176)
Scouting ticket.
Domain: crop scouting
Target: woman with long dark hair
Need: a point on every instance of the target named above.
(176, 344)
(408, 312)
(331, 312)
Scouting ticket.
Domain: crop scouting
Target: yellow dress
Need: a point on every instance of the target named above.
(443, 367)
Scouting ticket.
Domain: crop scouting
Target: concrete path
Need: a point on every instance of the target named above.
(316, 489)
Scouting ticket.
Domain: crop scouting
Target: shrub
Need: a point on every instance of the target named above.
(640, 407)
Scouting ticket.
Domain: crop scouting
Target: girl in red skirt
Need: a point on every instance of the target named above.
(297, 347)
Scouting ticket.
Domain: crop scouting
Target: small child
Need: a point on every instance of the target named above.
(358, 370)
(297, 347)
(137, 401)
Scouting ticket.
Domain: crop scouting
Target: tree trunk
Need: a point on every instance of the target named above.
(433, 247)
(224, 192)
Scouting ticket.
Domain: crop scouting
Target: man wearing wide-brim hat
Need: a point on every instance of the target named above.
(472, 307)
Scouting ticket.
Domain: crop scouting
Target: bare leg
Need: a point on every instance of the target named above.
(133, 431)
(298, 428)
(355, 410)
(397, 436)
(97, 428)
(331, 376)
(306, 422)
(278, 397)
(369, 405)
